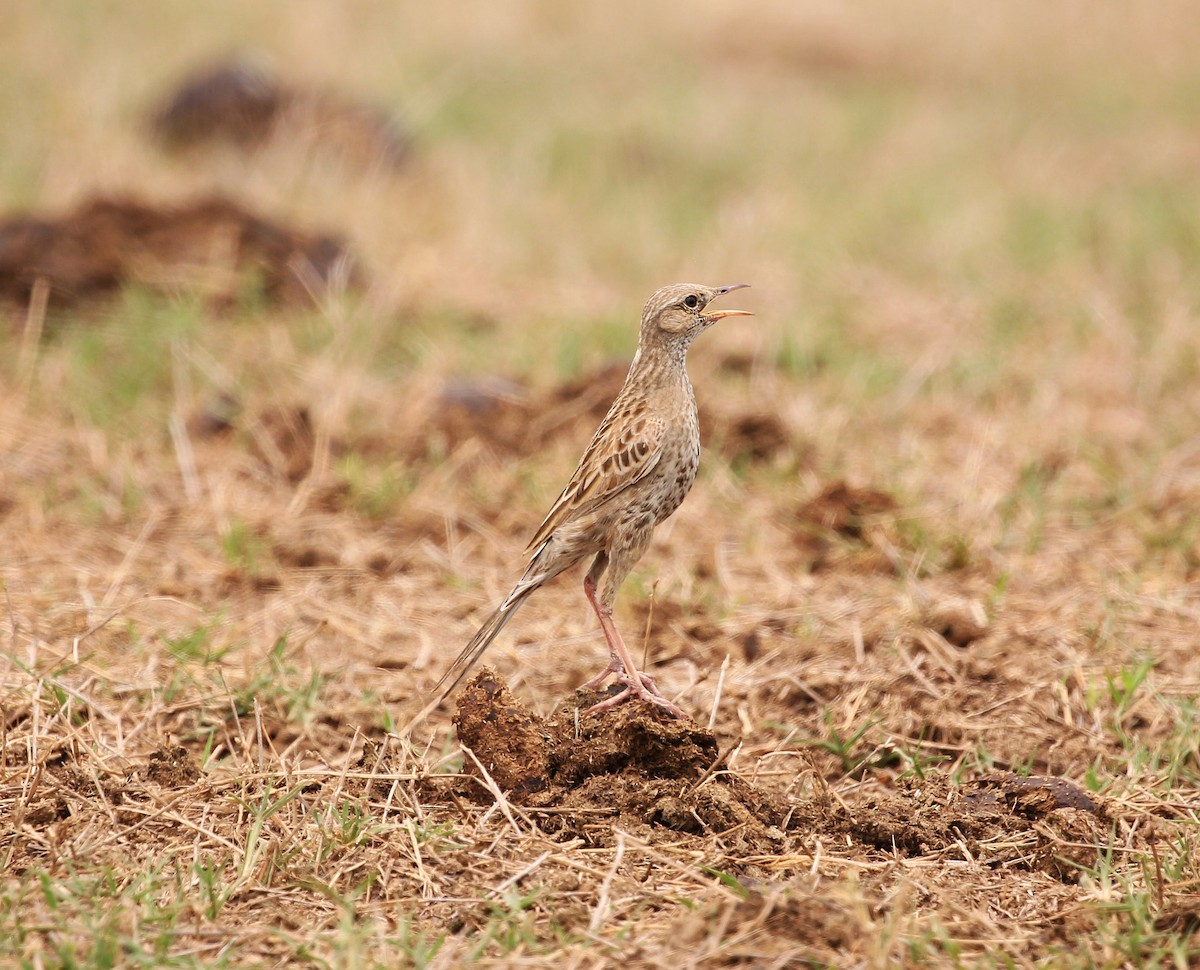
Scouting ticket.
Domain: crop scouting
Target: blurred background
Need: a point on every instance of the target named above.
(565, 162)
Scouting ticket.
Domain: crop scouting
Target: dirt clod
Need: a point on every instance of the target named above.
(1033, 796)
(509, 740)
(753, 436)
(491, 409)
(959, 621)
(213, 245)
(1037, 824)
(633, 760)
(630, 738)
(241, 104)
(845, 509)
(172, 767)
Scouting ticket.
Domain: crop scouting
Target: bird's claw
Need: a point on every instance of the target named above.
(646, 691)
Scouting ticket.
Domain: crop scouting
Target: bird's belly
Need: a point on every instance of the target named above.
(662, 492)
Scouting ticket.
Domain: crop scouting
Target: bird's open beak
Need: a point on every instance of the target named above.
(716, 315)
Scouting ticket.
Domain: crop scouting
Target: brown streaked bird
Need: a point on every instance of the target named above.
(640, 464)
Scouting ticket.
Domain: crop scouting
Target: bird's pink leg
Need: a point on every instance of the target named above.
(621, 663)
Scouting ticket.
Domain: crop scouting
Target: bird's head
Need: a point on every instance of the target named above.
(677, 313)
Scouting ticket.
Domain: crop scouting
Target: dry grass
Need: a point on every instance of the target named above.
(946, 525)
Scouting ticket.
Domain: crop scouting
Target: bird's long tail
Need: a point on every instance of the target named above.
(482, 640)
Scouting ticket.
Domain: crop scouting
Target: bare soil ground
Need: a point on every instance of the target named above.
(933, 605)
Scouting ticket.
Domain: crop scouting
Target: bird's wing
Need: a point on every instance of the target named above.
(626, 446)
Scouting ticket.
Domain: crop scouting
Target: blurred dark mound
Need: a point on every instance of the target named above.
(238, 103)
(211, 245)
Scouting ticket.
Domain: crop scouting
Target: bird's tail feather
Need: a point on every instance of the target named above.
(482, 640)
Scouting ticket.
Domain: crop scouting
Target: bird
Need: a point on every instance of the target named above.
(636, 471)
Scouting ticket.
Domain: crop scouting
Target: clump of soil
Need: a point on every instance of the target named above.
(634, 766)
(525, 753)
(958, 620)
(845, 509)
(491, 409)
(511, 743)
(753, 436)
(1032, 823)
(239, 103)
(172, 767)
(212, 245)
(633, 761)
(844, 522)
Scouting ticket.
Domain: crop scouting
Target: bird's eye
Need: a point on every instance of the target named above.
(691, 301)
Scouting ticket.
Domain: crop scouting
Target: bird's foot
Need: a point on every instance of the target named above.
(644, 689)
(617, 668)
